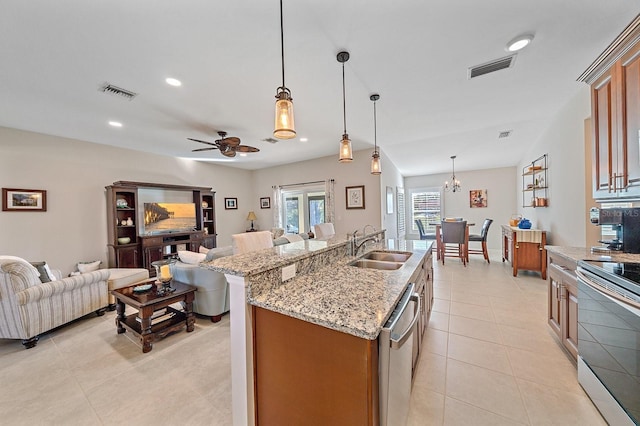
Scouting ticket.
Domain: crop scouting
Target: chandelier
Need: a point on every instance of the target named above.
(454, 186)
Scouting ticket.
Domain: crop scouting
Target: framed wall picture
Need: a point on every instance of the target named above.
(478, 198)
(389, 200)
(24, 200)
(355, 197)
(265, 202)
(231, 204)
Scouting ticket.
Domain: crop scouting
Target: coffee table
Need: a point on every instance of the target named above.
(148, 302)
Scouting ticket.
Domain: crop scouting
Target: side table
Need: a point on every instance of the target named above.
(140, 323)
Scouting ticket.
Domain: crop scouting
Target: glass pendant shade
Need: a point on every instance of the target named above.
(375, 164)
(346, 155)
(284, 127)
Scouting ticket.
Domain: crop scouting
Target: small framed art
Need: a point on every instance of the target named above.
(478, 198)
(24, 200)
(265, 203)
(231, 204)
(355, 197)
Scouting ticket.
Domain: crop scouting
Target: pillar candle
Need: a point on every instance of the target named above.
(165, 273)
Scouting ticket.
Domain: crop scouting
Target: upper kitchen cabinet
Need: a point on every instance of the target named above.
(615, 107)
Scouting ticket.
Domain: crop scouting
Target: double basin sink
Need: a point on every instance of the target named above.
(384, 260)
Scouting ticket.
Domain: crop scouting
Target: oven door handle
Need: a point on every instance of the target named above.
(396, 343)
(605, 291)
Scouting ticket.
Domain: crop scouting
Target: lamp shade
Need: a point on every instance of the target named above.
(284, 127)
(346, 155)
(251, 216)
(375, 164)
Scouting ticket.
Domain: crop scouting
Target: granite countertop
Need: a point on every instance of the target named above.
(253, 263)
(583, 253)
(345, 298)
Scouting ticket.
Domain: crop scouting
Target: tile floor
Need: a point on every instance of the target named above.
(489, 359)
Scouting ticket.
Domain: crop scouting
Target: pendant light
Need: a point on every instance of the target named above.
(284, 127)
(346, 155)
(455, 183)
(375, 160)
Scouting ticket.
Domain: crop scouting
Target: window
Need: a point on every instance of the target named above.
(303, 208)
(425, 206)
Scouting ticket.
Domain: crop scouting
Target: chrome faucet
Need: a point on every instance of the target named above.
(357, 246)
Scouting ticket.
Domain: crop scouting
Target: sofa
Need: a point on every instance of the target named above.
(31, 307)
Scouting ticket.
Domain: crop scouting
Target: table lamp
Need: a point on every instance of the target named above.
(252, 216)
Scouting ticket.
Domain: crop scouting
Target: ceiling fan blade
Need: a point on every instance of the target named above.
(231, 141)
(246, 148)
(204, 149)
(229, 153)
(208, 143)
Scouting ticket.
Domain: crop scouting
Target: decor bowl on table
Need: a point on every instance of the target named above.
(124, 240)
(524, 224)
(141, 288)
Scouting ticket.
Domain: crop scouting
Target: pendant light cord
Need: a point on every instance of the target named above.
(282, 43)
(375, 129)
(344, 102)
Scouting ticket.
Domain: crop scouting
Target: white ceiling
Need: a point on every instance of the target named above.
(55, 56)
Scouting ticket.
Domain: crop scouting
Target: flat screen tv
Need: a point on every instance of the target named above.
(169, 217)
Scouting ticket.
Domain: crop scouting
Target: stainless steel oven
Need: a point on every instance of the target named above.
(609, 338)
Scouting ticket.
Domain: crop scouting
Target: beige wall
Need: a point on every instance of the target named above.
(345, 174)
(501, 201)
(74, 174)
(564, 141)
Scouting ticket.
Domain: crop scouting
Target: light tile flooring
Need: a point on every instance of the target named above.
(489, 359)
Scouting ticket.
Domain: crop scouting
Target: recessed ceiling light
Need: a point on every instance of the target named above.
(243, 154)
(173, 82)
(519, 42)
(304, 139)
(115, 124)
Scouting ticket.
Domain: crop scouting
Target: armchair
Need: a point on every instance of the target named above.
(31, 307)
(212, 295)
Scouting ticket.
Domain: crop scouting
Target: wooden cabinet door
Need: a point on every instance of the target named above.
(569, 314)
(603, 114)
(630, 124)
(127, 258)
(555, 284)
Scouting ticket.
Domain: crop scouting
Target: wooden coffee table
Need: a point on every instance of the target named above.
(140, 323)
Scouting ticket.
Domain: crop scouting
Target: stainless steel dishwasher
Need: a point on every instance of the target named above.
(395, 349)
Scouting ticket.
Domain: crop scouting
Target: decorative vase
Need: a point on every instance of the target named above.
(205, 204)
(129, 222)
(124, 222)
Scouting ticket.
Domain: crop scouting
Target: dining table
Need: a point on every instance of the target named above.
(438, 226)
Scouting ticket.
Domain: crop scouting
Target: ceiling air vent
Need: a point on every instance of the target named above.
(118, 91)
(270, 140)
(504, 134)
(493, 66)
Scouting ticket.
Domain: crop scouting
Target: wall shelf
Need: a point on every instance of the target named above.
(535, 183)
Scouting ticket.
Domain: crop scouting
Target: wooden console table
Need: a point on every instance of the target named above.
(524, 248)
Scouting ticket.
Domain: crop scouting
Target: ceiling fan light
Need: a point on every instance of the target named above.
(375, 163)
(284, 127)
(346, 154)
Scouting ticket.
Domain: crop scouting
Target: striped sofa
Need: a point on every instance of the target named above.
(29, 307)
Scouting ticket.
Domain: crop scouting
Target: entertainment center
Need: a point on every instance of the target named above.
(136, 244)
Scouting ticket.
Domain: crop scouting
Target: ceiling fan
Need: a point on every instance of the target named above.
(228, 146)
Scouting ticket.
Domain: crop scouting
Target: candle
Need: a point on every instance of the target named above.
(165, 272)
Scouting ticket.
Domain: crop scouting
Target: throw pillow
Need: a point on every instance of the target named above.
(85, 267)
(45, 273)
(191, 257)
(219, 252)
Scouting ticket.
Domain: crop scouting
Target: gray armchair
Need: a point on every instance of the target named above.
(30, 307)
(212, 295)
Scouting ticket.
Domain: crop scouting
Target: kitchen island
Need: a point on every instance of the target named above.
(326, 301)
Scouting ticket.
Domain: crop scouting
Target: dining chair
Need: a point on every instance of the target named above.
(423, 235)
(481, 238)
(453, 240)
